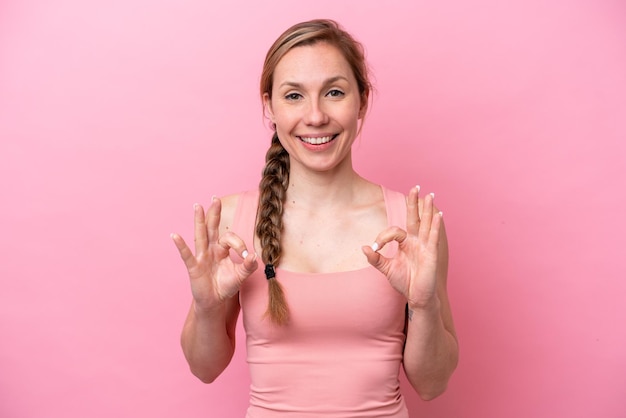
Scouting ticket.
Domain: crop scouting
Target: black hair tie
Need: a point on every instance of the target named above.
(270, 273)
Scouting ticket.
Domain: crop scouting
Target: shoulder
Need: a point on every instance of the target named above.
(230, 205)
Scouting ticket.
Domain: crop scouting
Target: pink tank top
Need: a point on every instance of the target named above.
(340, 354)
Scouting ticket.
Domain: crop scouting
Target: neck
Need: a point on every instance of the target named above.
(329, 188)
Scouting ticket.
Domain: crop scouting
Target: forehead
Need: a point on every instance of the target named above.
(312, 64)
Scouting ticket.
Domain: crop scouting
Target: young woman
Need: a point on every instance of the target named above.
(355, 273)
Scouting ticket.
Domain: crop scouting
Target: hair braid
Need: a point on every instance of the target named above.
(272, 193)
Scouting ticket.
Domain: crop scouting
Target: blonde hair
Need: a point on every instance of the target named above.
(275, 178)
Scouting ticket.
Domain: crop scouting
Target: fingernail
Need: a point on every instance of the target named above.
(172, 235)
(213, 198)
(375, 246)
(244, 254)
(433, 195)
(418, 188)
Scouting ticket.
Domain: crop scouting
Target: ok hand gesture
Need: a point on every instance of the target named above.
(413, 270)
(213, 275)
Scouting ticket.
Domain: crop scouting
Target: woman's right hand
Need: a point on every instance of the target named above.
(213, 275)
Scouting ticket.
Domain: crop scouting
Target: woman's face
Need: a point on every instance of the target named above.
(316, 106)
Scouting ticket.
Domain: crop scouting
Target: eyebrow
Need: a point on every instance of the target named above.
(299, 85)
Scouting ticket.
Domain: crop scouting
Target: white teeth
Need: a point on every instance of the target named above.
(316, 141)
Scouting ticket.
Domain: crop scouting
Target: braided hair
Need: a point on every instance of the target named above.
(272, 193)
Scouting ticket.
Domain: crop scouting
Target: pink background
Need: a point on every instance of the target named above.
(116, 116)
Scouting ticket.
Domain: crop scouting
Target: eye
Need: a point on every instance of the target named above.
(335, 93)
(293, 96)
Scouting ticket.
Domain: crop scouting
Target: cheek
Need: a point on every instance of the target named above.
(283, 119)
(283, 125)
(351, 116)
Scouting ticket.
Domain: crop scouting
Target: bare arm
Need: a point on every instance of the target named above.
(431, 351)
(208, 336)
(419, 271)
(208, 339)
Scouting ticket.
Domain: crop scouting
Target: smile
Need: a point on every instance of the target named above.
(317, 140)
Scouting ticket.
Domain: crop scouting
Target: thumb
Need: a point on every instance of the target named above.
(375, 259)
(248, 266)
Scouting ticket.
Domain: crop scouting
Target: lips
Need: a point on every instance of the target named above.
(317, 140)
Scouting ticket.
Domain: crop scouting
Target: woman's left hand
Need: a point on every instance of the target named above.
(413, 269)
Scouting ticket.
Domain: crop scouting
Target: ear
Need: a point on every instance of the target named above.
(267, 107)
(364, 103)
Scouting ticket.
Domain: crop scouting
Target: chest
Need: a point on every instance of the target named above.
(329, 242)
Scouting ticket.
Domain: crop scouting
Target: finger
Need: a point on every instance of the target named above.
(184, 251)
(376, 259)
(392, 233)
(200, 237)
(213, 215)
(412, 211)
(435, 229)
(427, 217)
(230, 240)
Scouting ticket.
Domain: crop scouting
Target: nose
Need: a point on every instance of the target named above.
(315, 114)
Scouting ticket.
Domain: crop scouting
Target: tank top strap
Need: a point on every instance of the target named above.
(245, 216)
(395, 203)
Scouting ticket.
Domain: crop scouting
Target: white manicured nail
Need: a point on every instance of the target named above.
(244, 254)
(418, 188)
(375, 246)
(433, 195)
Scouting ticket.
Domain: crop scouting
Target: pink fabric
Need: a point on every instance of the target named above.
(341, 353)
